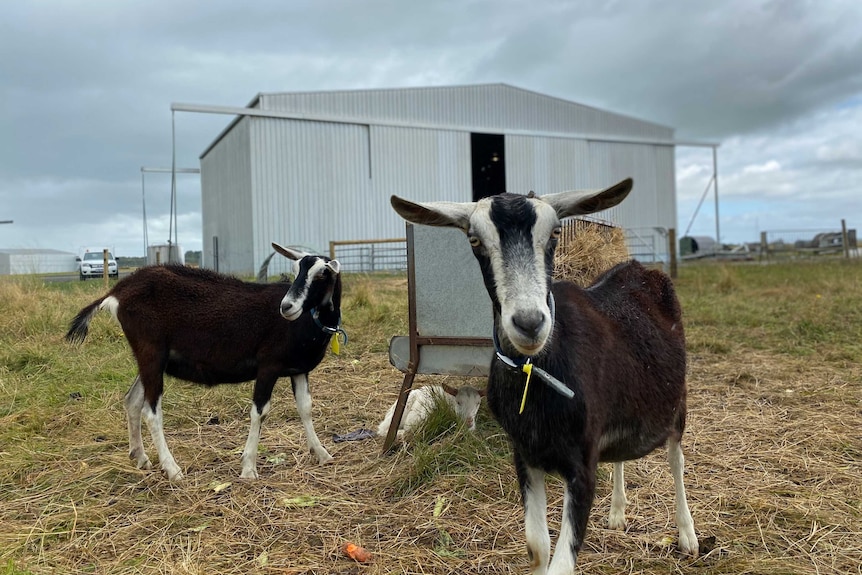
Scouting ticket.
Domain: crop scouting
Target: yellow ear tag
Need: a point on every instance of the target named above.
(528, 369)
(336, 345)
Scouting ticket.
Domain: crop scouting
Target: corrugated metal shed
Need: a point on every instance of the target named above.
(325, 168)
(36, 261)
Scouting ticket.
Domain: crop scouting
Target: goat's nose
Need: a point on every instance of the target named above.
(287, 308)
(529, 322)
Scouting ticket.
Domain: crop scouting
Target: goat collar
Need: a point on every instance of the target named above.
(526, 364)
(336, 331)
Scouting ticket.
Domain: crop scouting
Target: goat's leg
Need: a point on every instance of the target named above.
(134, 404)
(617, 516)
(577, 502)
(687, 538)
(153, 415)
(259, 410)
(532, 483)
(303, 406)
(249, 453)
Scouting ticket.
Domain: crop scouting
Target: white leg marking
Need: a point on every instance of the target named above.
(687, 538)
(617, 516)
(564, 559)
(166, 460)
(134, 404)
(303, 406)
(249, 454)
(536, 522)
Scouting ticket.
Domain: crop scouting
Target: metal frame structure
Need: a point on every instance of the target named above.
(417, 343)
(173, 216)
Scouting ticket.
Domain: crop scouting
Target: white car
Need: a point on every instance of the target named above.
(92, 264)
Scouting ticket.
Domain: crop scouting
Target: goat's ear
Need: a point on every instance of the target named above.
(334, 266)
(450, 390)
(287, 252)
(582, 202)
(443, 214)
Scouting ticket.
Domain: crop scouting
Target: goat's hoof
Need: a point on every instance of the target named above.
(140, 458)
(323, 457)
(688, 544)
(617, 521)
(248, 474)
(174, 476)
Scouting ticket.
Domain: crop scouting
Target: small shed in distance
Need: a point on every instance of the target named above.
(697, 246)
(309, 168)
(36, 261)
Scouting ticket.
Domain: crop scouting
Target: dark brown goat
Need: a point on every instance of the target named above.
(209, 328)
(581, 375)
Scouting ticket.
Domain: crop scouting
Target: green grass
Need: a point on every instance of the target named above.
(800, 309)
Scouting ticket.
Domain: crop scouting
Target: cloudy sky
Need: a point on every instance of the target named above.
(86, 88)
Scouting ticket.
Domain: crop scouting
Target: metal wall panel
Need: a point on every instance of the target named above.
(316, 181)
(651, 203)
(418, 165)
(311, 185)
(546, 165)
(226, 202)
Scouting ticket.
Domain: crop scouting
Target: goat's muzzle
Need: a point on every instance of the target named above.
(290, 310)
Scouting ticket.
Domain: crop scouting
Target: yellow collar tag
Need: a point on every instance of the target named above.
(528, 369)
(336, 345)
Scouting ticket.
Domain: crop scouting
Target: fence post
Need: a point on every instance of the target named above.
(671, 248)
(844, 239)
(331, 249)
(764, 246)
(105, 266)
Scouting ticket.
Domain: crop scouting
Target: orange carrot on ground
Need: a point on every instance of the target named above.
(356, 552)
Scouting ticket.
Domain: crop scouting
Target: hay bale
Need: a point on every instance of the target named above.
(587, 248)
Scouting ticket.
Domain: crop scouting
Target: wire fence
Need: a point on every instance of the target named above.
(647, 245)
(806, 244)
(367, 256)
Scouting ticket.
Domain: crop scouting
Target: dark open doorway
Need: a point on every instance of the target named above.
(489, 164)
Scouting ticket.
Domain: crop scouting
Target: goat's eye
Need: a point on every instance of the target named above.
(558, 231)
(475, 241)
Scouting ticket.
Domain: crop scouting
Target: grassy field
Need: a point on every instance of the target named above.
(774, 450)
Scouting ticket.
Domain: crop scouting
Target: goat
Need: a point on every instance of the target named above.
(464, 401)
(607, 362)
(208, 328)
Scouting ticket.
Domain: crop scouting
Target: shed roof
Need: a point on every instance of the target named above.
(477, 107)
(33, 251)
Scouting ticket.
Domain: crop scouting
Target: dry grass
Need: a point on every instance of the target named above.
(587, 248)
(773, 453)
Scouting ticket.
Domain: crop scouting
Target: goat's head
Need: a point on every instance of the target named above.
(314, 283)
(467, 401)
(514, 238)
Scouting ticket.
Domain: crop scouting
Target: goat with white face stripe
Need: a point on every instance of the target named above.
(618, 348)
(209, 328)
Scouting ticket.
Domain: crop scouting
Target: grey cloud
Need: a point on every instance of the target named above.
(86, 96)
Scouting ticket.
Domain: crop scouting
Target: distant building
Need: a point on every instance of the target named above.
(36, 261)
(321, 166)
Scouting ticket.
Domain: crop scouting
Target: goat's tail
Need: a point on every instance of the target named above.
(81, 324)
